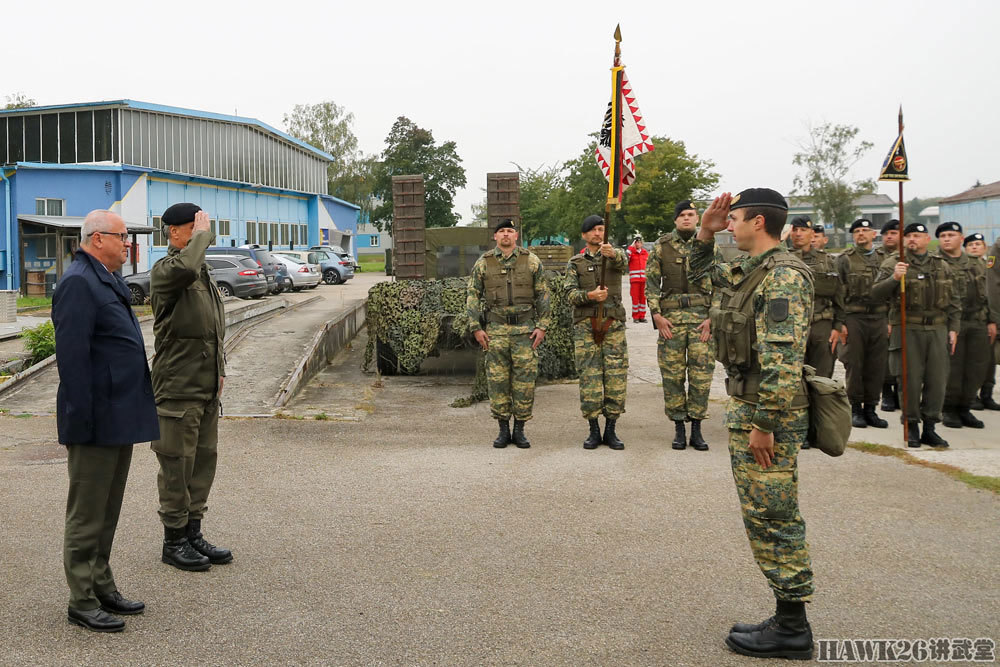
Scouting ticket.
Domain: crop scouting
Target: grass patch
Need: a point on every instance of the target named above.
(285, 415)
(322, 417)
(33, 301)
(372, 263)
(984, 482)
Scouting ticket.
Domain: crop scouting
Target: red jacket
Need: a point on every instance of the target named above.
(637, 258)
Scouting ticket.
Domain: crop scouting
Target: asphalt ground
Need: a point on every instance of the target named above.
(395, 534)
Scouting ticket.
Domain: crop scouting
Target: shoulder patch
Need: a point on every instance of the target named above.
(777, 309)
(990, 261)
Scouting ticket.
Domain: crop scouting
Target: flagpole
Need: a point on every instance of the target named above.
(902, 306)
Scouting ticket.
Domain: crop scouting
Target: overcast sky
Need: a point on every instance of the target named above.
(526, 82)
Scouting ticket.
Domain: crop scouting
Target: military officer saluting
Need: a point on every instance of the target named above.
(864, 329)
(975, 246)
(933, 320)
(760, 327)
(972, 351)
(889, 248)
(602, 367)
(508, 296)
(679, 308)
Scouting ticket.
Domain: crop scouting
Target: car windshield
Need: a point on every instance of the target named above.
(248, 262)
(264, 257)
(294, 261)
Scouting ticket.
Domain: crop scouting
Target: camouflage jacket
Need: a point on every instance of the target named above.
(577, 296)
(474, 302)
(691, 315)
(782, 305)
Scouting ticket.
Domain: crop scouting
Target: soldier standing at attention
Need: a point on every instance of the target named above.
(603, 368)
(972, 352)
(508, 295)
(889, 248)
(864, 330)
(188, 373)
(820, 239)
(933, 319)
(679, 307)
(975, 246)
(760, 326)
(637, 258)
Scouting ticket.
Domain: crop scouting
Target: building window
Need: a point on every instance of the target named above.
(304, 234)
(273, 238)
(374, 240)
(251, 232)
(223, 228)
(46, 246)
(49, 206)
(284, 233)
(159, 238)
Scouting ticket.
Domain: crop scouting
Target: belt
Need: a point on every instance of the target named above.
(746, 387)
(925, 319)
(871, 310)
(683, 301)
(513, 319)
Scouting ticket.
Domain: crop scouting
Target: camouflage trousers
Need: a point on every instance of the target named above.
(769, 500)
(685, 357)
(603, 370)
(511, 371)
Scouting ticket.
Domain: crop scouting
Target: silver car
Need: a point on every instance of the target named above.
(303, 275)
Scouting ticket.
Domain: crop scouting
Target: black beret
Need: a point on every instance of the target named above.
(802, 221)
(683, 206)
(758, 197)
(506, 223)
(637, 238)
(179, 214)
(947, 227)
(590, 222)
(915, 227)
(974, 237)
(818, 227)
(891, 225)
(861, 223)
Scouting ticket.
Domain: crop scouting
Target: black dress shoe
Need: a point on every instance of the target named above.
(97, 620)
(115, 603)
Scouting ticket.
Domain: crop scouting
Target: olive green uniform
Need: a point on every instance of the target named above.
(509, 298)
(603, 369)
(867, 350)
(671, 294)
(992, 259)
(932, 310)
(189, 328)
(971, 359)
(760, 326)
(828, 309)
(889, 385)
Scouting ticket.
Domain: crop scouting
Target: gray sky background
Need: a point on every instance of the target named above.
(526, 82)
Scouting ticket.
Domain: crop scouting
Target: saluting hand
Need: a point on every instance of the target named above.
(716, 216)
(201, 221)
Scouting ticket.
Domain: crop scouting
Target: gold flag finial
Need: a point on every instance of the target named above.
(618, 32)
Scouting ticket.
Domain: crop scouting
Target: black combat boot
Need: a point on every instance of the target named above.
(977, 404)
(873, 419)
(680, 437)
(504, 438)
(697, 442)
(177, 551)
(594, 439)
(518, 436)
(949, 417)
(969, 419)
(610, 438)
(889, 402)
(858, 416)
(215, 555)
(785, 635)
(913, 434)
(987, 398)
(929, 437)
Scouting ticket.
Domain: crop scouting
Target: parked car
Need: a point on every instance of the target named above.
(281, 277)
(237, 276)
(138, 284)
(258, 254)
(303, 275)
(334, 269)
(343, 254)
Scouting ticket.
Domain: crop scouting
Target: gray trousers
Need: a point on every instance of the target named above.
(969, 366)
(97, 477)
(928, 359)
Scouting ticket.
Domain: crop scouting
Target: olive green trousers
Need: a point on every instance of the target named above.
(187, 451)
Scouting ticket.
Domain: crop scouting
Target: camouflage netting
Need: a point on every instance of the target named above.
(410, 317)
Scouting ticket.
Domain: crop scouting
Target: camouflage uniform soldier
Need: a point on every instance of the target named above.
(972, 351)
(508, 295)
(760, 327)
(933, 319)
(975, 246)
(679, 308)
(603, 368)
(865, 325)
(889, 248)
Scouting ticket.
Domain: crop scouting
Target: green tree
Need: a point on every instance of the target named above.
(410, 149)
(826, 158)
(542, 194)
(19, 101)
(585, 192)
(328, 126)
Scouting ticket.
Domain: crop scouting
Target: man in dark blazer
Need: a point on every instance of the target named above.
(104, 405)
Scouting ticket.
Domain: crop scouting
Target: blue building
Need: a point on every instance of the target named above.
(977, 210)
(58, 163)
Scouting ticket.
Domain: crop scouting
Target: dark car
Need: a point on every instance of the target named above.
(237, 276)
(138, 284)
(343, 254)
(337, 268)
(256, 253)
(281, 278)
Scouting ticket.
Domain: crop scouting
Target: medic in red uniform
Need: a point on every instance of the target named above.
(637, 258)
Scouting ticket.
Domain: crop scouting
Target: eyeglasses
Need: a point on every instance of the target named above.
(121, 235)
